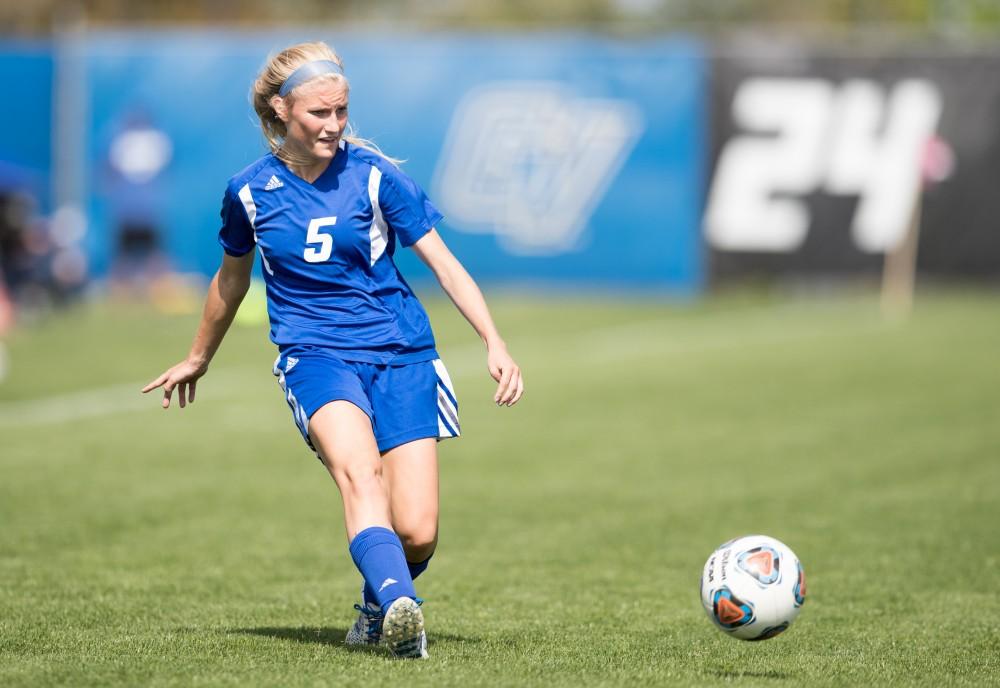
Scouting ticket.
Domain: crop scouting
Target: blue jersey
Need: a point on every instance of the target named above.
(326, 251)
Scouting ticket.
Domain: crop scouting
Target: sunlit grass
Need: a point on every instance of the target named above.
(206, 546)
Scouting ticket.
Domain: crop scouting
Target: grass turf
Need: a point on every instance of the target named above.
(206, 546)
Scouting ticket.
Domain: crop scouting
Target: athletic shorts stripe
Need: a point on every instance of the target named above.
(448, 411)
(447, 392)
(444, 429)
(298, 413)
(448, 425)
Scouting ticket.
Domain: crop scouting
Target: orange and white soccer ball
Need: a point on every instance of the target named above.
(753, 587)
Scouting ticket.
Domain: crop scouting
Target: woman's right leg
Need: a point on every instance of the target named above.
(342, 434)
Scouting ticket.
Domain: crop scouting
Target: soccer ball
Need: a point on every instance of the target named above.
(753, 587)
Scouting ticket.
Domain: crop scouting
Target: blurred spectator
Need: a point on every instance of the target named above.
(41, 261)
(137, 160)
(16, 263)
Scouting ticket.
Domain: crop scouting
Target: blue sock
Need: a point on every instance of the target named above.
(419, 567)
(368, 595)
(378, 554)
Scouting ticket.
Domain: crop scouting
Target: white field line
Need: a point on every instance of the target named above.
(637, 339)
(98, 401)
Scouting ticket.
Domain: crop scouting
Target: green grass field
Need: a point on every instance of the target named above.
(206, 546)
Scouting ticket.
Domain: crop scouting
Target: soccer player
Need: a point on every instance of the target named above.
(357, 360)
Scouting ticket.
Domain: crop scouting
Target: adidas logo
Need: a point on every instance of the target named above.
(273, 183)
(291, 363)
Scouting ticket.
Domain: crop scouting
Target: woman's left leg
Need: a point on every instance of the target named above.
(410, 475)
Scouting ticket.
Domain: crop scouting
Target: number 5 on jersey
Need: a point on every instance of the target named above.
(324, 239)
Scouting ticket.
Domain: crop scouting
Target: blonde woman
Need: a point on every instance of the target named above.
(357, 360)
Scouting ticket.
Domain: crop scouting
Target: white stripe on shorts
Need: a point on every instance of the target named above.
(298, 413)
(447, 403)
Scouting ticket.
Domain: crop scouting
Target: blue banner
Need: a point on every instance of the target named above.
(26, 120)
(561, 160)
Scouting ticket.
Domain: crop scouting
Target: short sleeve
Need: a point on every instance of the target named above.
(405, 207)
(236, 234)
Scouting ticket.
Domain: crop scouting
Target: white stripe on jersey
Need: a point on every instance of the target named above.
(379, 232)
(251, 209)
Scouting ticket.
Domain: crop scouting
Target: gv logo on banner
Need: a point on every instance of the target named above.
(807, 135)
(529, 161)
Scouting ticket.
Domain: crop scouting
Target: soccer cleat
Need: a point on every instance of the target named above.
(367, 630)
(423, 645)
(403, 629)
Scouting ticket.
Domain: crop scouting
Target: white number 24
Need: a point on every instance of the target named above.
(312, 254)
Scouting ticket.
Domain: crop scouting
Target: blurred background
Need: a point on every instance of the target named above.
(660, 146)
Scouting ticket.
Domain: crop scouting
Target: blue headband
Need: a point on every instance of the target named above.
(308, 71)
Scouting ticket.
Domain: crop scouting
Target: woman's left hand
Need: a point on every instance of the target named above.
(505, 371)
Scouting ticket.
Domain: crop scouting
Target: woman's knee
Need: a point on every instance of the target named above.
(360, 477)
(419, 536)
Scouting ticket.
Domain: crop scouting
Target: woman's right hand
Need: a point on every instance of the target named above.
(184, 376)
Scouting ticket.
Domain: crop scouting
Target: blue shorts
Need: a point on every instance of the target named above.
(404, 402)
